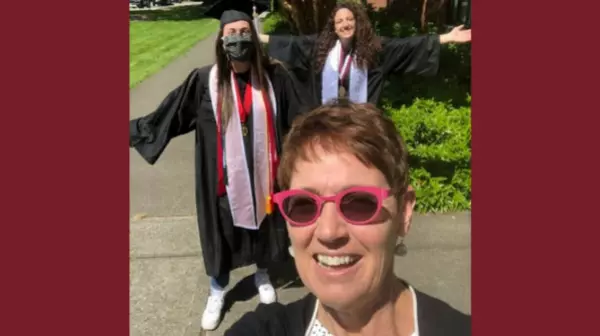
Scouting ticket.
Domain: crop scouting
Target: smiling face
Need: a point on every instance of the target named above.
(366, 252)
(344, 24)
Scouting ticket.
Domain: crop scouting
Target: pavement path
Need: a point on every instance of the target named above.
(167, 187)
(168, 285)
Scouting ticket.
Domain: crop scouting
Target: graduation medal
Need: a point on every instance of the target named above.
(244, 107)
(343, 71)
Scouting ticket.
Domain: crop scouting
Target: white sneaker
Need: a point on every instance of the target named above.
(266, 291)
(212, 313)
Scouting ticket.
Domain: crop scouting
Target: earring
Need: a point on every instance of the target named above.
(401, 249)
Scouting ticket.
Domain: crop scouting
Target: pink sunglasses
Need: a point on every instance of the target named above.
(357, 205)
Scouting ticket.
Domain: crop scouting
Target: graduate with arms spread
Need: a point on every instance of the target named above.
(240, 108)
(347, 59)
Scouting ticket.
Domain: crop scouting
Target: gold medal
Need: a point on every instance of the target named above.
(342, 92)
(244, 130)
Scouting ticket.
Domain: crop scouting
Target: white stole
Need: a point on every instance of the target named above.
(257, 24)
(238, 186)
(330, 78)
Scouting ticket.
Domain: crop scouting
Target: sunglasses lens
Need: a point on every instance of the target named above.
(300, 208)
(359, 206)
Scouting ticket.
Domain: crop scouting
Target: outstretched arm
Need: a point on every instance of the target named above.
(419, 54)
(263, 38)
(295, 51)
(456, 35)
(176, 115)
(416, 54)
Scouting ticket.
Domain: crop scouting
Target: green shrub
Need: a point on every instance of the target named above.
(275, 23)
(433, 115)
(438, 139)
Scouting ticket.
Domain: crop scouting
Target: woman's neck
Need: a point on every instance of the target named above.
(391, 311)
(346, 44)
(240, 67)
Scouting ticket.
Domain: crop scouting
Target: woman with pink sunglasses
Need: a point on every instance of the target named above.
(345, 196)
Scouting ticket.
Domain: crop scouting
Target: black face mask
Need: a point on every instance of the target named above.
(239, 47)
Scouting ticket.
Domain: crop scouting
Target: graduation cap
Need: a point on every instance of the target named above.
(227, 11)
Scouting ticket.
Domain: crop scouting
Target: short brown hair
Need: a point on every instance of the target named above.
(360, 129)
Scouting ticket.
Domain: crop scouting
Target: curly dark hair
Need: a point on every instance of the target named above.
(367, 44)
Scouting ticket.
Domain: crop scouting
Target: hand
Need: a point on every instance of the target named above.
(263, 38)
(457, 35)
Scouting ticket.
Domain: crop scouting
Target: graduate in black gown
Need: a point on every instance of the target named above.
(347, 59)
(240, 108)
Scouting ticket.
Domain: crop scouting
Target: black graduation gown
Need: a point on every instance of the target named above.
(435, 318)
(188, 108)
(416, 55)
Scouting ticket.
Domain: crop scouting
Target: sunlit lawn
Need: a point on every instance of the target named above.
(161, 37)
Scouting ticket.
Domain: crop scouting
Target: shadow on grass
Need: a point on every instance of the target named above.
(437, 167)
(170, 13)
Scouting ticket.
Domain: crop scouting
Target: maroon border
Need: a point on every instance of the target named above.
(64, 164)
(64, 238)
(535, 92)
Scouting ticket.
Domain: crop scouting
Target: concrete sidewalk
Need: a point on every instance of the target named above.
(167, 187)
(169, 285)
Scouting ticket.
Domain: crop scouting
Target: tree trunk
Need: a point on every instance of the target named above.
(306, 16)
(424, 16)
(433, 10)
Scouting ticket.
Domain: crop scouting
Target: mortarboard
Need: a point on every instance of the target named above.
(227, 11)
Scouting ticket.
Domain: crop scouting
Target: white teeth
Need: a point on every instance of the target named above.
(334, 261)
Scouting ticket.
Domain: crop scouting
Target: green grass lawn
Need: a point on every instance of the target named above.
(157, 37)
